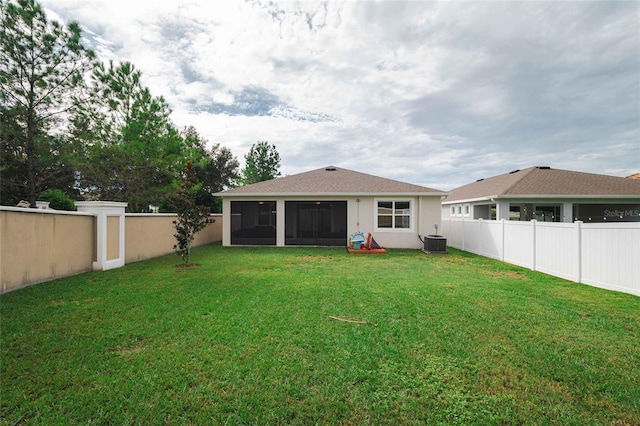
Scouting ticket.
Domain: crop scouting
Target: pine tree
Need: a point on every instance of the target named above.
(42, 69)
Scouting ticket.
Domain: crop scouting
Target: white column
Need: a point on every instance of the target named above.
(103, 210)
(226, 222)
(280, 225)
(502, 210)
(567, 212)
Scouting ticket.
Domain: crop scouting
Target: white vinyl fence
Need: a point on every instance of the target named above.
(605, 255)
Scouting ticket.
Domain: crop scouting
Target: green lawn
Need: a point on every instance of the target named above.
(247, 338)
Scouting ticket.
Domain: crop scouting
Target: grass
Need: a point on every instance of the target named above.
(246, 338)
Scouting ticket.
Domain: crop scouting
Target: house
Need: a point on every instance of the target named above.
(547, 194)
(323, 207)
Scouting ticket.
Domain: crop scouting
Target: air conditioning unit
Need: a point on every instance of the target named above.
(435, 244)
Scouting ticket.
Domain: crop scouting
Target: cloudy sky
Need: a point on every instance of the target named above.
(436, 94)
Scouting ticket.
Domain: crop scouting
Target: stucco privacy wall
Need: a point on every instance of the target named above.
(41, 245)
(113, 237)
(150, 236)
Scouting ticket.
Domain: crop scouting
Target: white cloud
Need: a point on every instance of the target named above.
(432, 93)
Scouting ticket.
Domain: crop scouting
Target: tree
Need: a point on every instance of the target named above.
(192, 218)
(262, 163)
(216, 168)
(42, 68)
(127, 147)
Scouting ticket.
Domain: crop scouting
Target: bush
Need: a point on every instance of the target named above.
(58, 200)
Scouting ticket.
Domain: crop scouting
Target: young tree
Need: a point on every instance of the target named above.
(262, 163)
(42, 68)
(192, 218)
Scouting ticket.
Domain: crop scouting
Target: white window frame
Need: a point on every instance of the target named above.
(393, 215)
(466, 208)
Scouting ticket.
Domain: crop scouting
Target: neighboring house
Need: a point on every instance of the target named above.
(547, 194)
(323, 207)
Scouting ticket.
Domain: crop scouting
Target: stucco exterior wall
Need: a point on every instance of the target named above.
(361, 216)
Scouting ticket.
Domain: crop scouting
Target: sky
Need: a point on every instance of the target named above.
(438, 94)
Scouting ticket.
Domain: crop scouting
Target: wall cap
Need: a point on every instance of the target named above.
(44, 211)
(101, 204)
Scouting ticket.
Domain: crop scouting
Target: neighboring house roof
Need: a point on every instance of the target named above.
(546, 182)
(330, 181)
(634, 176)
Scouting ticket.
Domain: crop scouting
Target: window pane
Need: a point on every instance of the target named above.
(402, 207)
(385, 207)
(402, 221)
(384, 222)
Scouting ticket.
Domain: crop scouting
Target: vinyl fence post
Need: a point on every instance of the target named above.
(533, 240)
(463, 234)
(502, 240)
(578, 248)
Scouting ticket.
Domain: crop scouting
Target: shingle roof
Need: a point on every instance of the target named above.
(331, 181)
(546, 181)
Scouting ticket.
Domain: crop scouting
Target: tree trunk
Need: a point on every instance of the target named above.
(31, 157)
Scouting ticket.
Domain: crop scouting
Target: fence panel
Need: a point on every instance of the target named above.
(454, 230)
(605, 255)
(472, 236)
(518, 244)
(490, 234)
(611, 256)
(557, 249)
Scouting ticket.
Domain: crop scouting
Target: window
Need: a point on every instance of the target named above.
(547, 213)
(453, 210)
(514, 212)
(466, 209)
(459, 210)
(394, 214)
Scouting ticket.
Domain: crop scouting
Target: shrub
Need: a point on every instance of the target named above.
(58, 200)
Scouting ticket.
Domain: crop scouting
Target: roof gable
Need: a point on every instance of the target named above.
(329, 181)
(545, 181)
